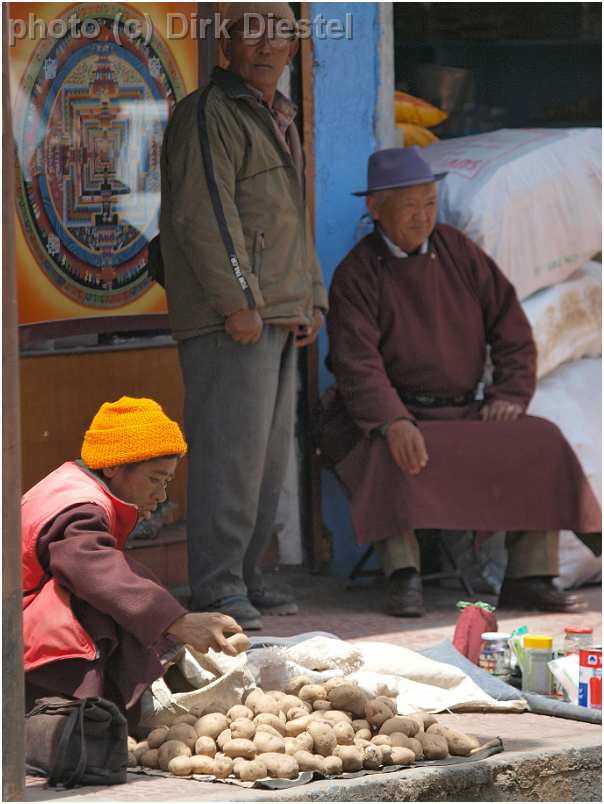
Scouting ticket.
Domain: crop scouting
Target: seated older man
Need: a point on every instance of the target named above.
(414, 306)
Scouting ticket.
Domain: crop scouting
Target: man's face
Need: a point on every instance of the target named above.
(259, 59)
(142, 484)
(407, 214)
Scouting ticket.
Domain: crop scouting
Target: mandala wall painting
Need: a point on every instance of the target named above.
(90, 108)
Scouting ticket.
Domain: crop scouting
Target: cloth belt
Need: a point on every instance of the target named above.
(432, 401)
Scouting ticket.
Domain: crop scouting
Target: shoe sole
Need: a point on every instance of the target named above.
(250, 625)
(286, 610)
(407, 613)
(573, 608)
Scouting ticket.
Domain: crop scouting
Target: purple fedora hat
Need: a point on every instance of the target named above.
(397, 167)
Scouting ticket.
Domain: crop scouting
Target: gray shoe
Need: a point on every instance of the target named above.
(240, 609)
(404, 595)
(273, 601)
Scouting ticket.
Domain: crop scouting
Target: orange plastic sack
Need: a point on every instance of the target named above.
(409, 109)
(416, 135)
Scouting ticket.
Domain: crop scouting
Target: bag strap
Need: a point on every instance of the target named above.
(74, 721)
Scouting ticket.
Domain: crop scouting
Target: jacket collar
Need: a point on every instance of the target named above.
(231, 84)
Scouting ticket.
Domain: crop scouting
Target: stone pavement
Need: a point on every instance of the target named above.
(545, 759)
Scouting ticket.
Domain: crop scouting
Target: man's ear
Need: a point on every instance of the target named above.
(110, 471)
(373, 207)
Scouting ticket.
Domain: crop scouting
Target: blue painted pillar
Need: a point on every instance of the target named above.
(346, 85)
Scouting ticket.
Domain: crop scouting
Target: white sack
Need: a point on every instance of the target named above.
(571, 397)
(531, 198)
(567, 319)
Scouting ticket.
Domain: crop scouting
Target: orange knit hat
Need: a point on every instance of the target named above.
(128, 431)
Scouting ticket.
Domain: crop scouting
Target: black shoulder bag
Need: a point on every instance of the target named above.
(77, 742)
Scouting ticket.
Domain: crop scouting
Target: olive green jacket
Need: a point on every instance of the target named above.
(233, 223)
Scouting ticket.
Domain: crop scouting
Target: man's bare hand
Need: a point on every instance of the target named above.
(305, 334)
(501, 411)
(407, 446)
(206, 630)
(244, 326)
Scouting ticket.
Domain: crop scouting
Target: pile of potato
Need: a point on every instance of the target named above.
(331, 727)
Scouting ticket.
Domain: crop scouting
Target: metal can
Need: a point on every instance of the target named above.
(577, 638)
(590, 677)
(495, 654)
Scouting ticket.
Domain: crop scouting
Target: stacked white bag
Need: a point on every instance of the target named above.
(532, 200)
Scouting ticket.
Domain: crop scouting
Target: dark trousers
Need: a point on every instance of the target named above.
(239, 423)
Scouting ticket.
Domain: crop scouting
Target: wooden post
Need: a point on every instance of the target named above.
(13, 766)
(318, 538)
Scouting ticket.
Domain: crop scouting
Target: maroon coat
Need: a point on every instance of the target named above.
(421, 325)
(119, 603)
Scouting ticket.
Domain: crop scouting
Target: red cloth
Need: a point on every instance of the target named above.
(473, 621)
(421, 325)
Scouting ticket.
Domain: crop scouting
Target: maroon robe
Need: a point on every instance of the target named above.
(420, 325)
(119, 603)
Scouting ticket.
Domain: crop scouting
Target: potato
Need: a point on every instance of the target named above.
(335, 716)
(223, 738)
(333, 766)
(377, 712)
(278, 696)
(309, 762)
(243, 728)
(305, 741)
(351, 756)
(205, 746)
(240, 642)
(291, 702)
(381, 739)
(239, 712)
(344, 733)
(360, 741)
(299, 711)
(237, 763)
(189, 719)
(361, 725)
(268, 729)
(414, 744)
(158, 736)
(150, 758)
(132, 760)
(292, 745)
(264, 704)
(334, 682)
(140, 749)
(201, 763)
(401, 724)
(171, 749)
(398, 739)
(389, 702)
(320, 705)
(294, 685)
(269, 744)
(474, 740)
(132, 743)
(180, 766)
(250, 697)
(271, 720)
(349, 698)
(423, 719)
(252, 771)
(364, 734)
(434, 745)
(280, 766)
(223, 766)
(184, 733)
(372, 757)
(401, 756)
(457, 743)
(297, 726)
(324, 739)
(240, 748)
(386, 754)
(312, 692)
(211, 725)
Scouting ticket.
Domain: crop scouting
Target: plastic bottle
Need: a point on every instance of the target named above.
(539, 650)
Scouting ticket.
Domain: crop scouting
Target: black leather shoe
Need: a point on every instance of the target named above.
(538, 594)
(404, 597)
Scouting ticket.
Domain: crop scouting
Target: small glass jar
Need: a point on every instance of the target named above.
(495, 654)
(576, 638)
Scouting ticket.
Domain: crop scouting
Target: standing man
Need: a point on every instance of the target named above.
(244, 290)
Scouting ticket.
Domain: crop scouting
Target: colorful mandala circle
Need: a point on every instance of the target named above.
(89, 123)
